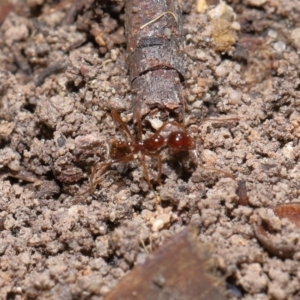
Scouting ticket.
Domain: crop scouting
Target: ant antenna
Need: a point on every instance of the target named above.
(227, 174)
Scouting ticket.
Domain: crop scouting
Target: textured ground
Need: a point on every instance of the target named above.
(59, 78)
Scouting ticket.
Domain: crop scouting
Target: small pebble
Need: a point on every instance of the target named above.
(157, 225)
(279, 46)
(235, 97)
(257, 3)
(221, 71)
(156, 123)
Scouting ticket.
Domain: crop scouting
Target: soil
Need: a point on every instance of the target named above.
(63, 70)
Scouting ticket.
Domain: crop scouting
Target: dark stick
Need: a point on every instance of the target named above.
(242, 193)
(52, 69)
(155, 54)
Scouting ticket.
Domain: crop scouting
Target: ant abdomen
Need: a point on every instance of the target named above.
(180, 141)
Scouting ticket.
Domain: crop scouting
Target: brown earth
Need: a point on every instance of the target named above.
(63, 71)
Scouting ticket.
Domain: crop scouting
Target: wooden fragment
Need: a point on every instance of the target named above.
(273, 244)
(154, 39)
(291, 211)
(242, 193)
(181, 269)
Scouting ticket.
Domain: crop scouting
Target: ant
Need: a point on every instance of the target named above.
(178, 140)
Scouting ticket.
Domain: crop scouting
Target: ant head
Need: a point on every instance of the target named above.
(180, 141)
(119, 149)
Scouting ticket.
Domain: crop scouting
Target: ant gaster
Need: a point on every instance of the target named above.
(125, 151)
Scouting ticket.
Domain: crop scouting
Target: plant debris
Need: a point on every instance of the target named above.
(182, 268)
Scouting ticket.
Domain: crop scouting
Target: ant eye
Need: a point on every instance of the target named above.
(180, 141)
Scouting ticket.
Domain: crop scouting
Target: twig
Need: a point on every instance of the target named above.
(157, 18)
(155, 60)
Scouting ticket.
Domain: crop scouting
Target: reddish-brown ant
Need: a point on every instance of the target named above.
(125, 151)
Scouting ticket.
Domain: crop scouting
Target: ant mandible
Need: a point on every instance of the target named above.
(126, 150)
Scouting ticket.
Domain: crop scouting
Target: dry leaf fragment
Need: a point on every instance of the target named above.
(284, 242)
(291, 211)
(275, 244)
(180, 269)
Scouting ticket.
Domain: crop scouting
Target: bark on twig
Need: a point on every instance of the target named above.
(155, 55)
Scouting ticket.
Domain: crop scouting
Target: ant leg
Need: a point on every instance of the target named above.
(174, 123)
(181, 127)
(93, 183)
(159, 163)
(227, 174)
(97, 168)
(139, 122)
(124, 128)
(103, 168)
(146, 173)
